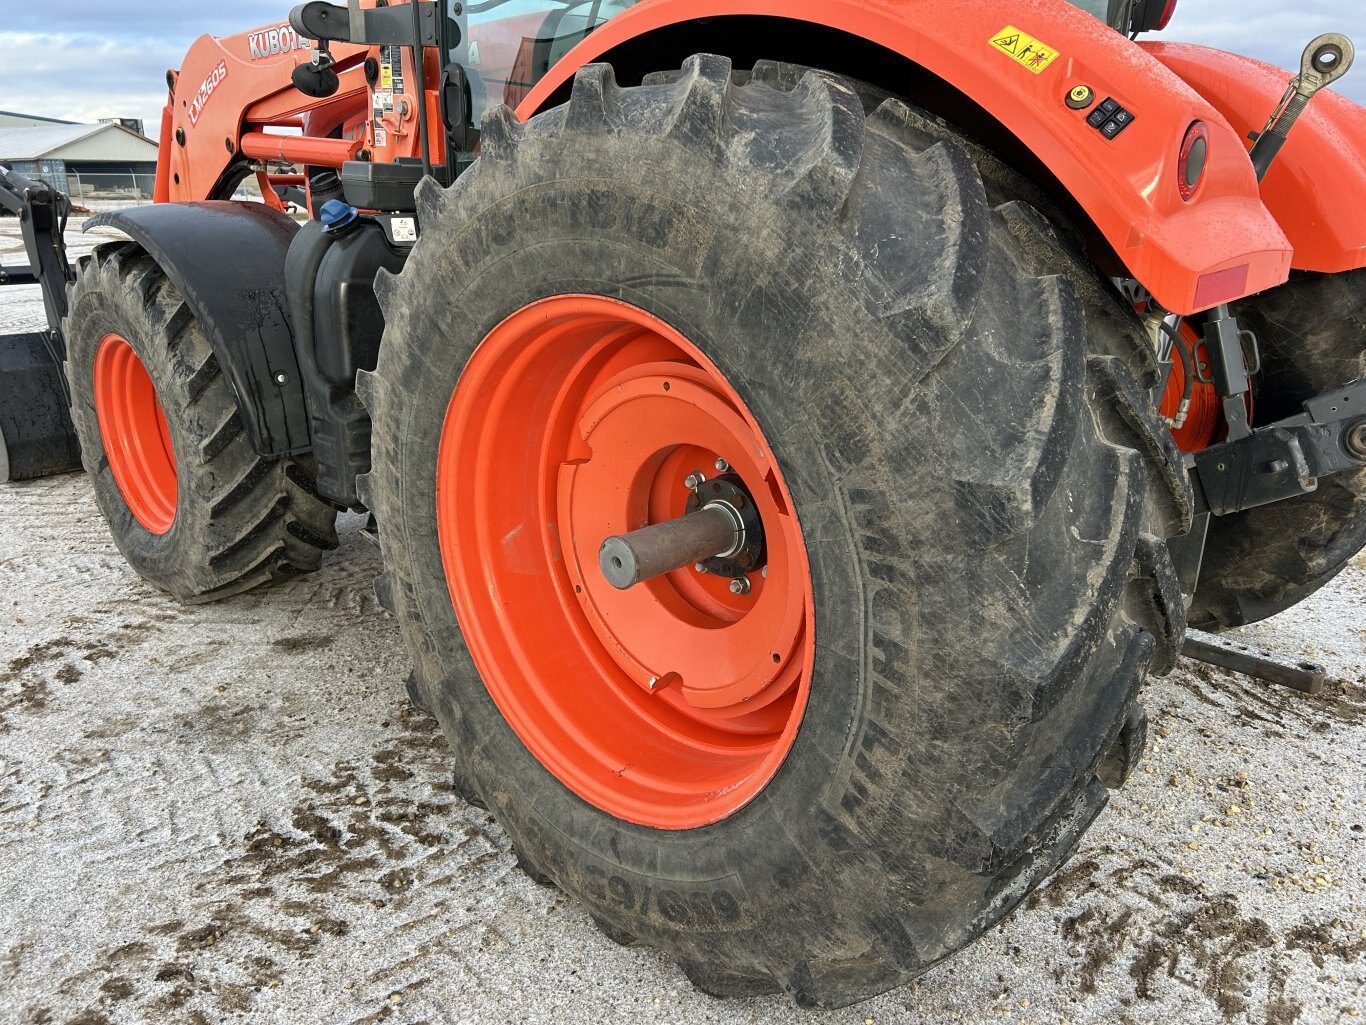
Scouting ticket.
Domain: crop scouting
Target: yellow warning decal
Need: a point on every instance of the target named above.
(1024, 49)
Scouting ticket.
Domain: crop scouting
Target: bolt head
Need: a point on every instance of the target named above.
(740, 585)
(694, 481)
(701, 568)
(282, 378)
(722, 466)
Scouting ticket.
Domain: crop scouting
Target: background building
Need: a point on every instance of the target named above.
(102, 161)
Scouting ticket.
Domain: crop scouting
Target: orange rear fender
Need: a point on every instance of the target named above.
(1221, 245)
(1315, 187)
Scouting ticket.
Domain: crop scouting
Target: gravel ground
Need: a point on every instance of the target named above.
(230, 813)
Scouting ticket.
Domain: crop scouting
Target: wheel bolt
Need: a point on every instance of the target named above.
(701, 567)
(722, 466)
(695, 480)
(740, 585)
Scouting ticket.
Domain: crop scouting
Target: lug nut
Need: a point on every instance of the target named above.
(695, 480)
(722, 466)
(701, 567)
(740, 585)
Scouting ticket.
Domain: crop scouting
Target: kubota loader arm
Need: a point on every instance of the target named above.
(232, 104)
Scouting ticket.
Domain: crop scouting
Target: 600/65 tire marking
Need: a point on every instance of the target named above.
(712, 908)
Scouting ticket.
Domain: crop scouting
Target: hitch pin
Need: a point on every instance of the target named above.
(1325, 61)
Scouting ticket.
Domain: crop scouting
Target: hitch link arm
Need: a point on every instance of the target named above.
(1325, 61)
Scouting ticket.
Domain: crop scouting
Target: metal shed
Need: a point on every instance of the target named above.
(101, 161)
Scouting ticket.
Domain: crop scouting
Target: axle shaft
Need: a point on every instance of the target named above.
(627, 559)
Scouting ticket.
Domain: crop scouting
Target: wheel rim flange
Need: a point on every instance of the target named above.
(576, 418)
(135, 434)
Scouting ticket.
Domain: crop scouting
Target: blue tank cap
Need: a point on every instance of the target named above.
(337, 215)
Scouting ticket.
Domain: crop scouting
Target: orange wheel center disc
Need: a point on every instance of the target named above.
(136, 437)
(670, 704)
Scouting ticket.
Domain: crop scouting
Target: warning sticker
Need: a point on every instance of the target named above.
(1024, 49)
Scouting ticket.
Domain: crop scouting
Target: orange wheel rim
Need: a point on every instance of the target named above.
(671, 704)
(1204, 424)
(136, 437)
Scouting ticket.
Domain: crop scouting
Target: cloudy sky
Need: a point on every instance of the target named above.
(86, 59)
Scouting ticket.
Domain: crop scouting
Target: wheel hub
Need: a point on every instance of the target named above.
(727, 539)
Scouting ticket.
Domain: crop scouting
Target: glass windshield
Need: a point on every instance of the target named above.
(507, 46)
(1100, 8)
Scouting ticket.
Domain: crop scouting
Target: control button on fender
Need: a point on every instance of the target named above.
(1081, 97)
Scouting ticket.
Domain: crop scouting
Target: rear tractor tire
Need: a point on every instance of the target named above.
(191, 505)
(828, 775)
(1312, 335)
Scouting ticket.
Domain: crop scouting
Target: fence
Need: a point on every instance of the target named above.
(128, 188)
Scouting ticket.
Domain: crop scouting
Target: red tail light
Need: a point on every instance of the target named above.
(1190, 167)
(1167, 13)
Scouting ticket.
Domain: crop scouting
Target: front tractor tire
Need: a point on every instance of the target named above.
(190, 504)
(827, 782)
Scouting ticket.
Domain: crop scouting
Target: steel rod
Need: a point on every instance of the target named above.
(627, 559)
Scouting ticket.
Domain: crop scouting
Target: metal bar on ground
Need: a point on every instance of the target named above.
(1305, 677)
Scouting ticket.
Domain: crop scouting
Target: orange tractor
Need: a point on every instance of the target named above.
(793, 430)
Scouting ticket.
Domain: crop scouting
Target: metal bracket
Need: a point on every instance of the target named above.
(376, 26)
(1289, 457)
(1229, 373)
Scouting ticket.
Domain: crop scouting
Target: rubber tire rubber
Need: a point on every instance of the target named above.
(241, 519)
(917, 357)
(1312, 336)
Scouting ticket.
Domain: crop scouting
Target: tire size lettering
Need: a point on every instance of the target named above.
(696, 908)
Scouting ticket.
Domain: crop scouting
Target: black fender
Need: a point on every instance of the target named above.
(228, 261)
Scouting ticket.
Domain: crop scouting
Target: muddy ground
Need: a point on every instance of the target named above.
(230, 814)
